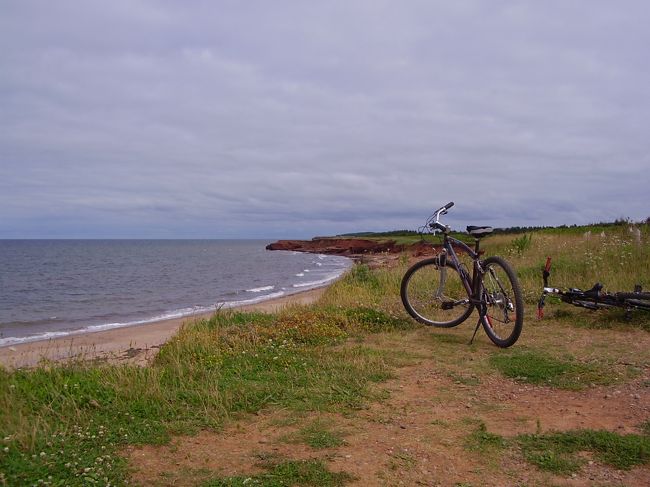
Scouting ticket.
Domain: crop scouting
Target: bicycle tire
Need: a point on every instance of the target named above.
(418, 290)
(642, 303)
(643, 296)
(504, 317)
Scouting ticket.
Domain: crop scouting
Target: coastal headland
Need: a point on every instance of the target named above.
(353, 247)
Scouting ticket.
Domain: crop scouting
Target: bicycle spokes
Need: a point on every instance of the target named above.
(500, 304)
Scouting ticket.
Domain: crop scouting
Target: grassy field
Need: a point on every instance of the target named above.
(71, 424)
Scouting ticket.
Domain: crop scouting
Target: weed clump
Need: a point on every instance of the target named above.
(375, 321)
(482, 440)
(362, 275)
(542, 369)
(522, 244)
(306, 472)
(558, 452)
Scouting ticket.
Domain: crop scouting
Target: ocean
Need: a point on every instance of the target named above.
(53, 288)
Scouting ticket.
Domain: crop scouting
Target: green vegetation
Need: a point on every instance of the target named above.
(543, 369)
(582, 255)
(514, 230)
(481, 440)
(319, 435)
(558, 452)
(405, 237)
(69, 424)
(308, 473)
(521, 244)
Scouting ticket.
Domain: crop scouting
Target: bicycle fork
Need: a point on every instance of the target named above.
(442, 264)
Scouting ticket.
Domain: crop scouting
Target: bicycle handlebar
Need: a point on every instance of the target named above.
(434, 220)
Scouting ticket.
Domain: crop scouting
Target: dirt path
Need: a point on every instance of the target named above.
(419, 435)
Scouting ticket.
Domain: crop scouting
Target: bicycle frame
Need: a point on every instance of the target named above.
(471, 285)
(498, 299)
(593, 298)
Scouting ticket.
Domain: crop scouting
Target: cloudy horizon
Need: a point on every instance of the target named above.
(198, 119)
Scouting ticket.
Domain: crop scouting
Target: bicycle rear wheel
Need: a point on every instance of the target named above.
(639, 300)
(434, 295)
(505, 308)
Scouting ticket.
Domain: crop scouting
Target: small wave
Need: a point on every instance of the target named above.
(318, 283)
(179, 313)
(260, 289)
(244, 302)
(300, 274)
(4, 342)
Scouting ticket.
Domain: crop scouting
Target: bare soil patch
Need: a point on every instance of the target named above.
(418, 436)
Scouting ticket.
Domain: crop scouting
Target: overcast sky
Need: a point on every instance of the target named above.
(221, 119)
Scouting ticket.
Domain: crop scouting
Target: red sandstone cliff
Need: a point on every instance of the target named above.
(352, 246)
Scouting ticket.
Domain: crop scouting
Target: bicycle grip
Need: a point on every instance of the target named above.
(547, 267)
(448, 205)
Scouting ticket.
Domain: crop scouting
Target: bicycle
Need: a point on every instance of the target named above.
(440, 292)
(593, 298)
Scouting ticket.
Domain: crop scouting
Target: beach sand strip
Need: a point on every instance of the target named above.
(129, 344)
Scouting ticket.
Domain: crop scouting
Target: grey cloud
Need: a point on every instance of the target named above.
(275, 118)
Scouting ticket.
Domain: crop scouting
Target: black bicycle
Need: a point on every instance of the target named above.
(594, 298)
(440, 292)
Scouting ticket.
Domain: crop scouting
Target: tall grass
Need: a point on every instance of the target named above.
(65, 424)
(615, 259)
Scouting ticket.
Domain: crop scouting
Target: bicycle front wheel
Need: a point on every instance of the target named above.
(435, 295)
(504, 301)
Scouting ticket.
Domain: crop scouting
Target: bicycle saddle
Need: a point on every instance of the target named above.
(594, 292)
(479, 232)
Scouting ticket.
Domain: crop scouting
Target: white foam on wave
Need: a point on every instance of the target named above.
(318, 283)
(260, 289)
(179, 313)
(300, 274)
(5, 342)
(244, 302)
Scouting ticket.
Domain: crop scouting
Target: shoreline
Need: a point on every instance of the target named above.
(135, 344)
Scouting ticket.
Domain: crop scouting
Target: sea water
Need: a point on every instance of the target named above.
(52, 288)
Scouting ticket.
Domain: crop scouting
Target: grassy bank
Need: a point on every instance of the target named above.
(65, 424)
(70, 424)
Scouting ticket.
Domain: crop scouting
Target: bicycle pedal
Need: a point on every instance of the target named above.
(447, 305)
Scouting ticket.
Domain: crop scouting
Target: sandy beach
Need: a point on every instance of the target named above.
(133, 344)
